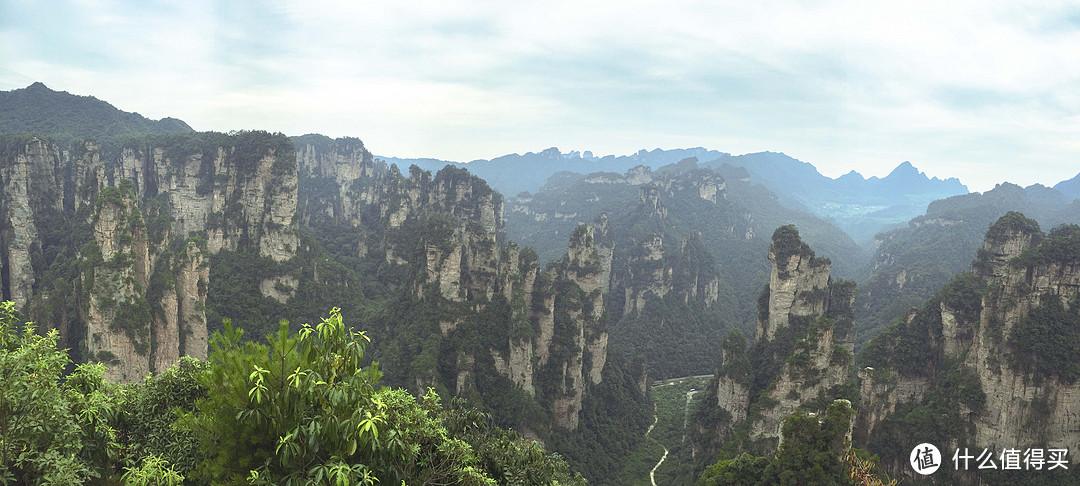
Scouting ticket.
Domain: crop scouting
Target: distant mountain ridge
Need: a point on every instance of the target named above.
(513, 174)
(1070, 188)
(36, 109)
(860, 206)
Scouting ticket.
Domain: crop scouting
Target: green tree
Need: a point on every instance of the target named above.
(302, 409)
(154, 471)
(51, 431)
(148, 410)
(815, 451)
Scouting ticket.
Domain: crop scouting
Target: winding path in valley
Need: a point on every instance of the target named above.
(652, 474)
(686, 417)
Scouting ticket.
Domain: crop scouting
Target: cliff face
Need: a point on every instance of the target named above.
(801, 357)
(98, 245)
(581, 281)
(543, 331)
(119, 250)
(798, 287)
(659, 263)
(999, 346)
(36, 190)
(241, 190)
(117, 327)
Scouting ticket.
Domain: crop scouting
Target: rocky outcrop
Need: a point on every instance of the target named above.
(118, 316)
(448, 228)
(802, 351)
(586, 269)
(798, 283)
(192, 280)
(136, 300)
(1025, 405)
(997, 334)
(20, 231)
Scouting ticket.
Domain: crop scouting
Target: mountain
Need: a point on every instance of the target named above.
(801, 356)
(990, 361)
(514, 173)
(911, 263)
(138, 254)
(119, 255)
(36, 109)
(717, 212)
(1070, 188)
(859, 206)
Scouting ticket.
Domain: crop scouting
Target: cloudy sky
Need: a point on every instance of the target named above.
(982, 90)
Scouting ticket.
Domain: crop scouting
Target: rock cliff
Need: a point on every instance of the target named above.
(111, 246)
(124, 247)
(801, 358)
(994, 352)
(491, 305)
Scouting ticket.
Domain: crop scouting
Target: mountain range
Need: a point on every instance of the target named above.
(551, 310)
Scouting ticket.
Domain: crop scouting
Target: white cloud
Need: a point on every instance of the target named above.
(841, 84)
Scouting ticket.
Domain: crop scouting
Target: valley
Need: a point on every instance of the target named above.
(669, 317)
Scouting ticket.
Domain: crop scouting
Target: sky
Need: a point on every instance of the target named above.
(986, 91)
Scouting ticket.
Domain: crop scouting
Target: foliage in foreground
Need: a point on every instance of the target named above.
(300, 409)
(815, 451)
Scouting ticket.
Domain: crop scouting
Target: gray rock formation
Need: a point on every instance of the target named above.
(449, 227)
(805, 333)
(985, 329)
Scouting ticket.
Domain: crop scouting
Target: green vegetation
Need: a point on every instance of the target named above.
(1046, 342)
(786, 243)
(1061, 246)
(302, 407)
(814, 452)
(673, 427)
(39, 110)
(52, 432)
(1013, 222)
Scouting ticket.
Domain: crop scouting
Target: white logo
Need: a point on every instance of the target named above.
(925, 459)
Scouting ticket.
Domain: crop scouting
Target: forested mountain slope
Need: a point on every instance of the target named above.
(911, 263)
(717, 209)
(988, 362)
(36, 109)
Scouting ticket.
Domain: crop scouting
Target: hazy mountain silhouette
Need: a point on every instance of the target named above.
(1070, 188)
(860, 206)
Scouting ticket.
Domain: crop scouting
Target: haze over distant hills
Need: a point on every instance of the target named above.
(859, 206)
(1070, 188)
(512, 174)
